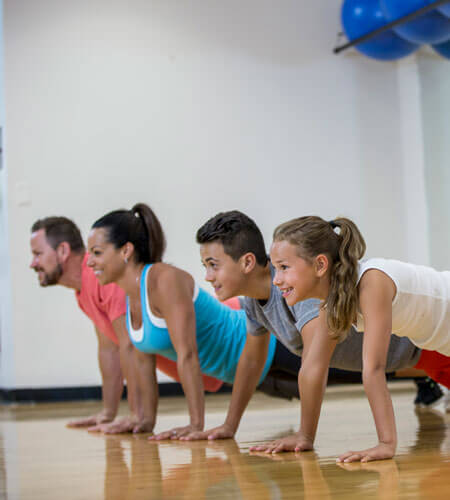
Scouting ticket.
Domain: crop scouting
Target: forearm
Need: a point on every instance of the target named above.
(112, 380)
(146, 386)
(128, 363)
(191, 379)
(381, 405)
(312, 384)
(248, 373)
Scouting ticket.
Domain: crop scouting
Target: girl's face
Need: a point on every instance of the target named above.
(107, 261)
(294, 276)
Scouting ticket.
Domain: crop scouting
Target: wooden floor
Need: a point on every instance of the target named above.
(41, 459)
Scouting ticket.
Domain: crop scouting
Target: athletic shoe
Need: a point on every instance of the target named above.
(428, 392)
(447, 401)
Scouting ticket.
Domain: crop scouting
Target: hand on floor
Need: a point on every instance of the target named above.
(379, 452)
(295, 442)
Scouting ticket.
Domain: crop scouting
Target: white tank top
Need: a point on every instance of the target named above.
(421, 306)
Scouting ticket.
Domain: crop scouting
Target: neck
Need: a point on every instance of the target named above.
(259, 283)
(71, 277)
(322, 289)
(130, 280)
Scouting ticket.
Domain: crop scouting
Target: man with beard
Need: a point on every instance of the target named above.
(60, 258)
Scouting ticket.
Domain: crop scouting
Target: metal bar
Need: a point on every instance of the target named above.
(392, 24)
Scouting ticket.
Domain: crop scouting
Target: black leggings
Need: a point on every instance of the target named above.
(281, 379)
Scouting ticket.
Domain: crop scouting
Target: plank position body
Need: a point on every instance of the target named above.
(233, 253)
(316, 258)
(169, 315)
(60, 258)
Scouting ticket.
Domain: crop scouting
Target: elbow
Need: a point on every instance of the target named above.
(373, 371)
(187, 357)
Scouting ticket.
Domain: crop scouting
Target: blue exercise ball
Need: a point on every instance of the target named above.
(443, 49)
(360, 17)
(432, 27)
(445, 9)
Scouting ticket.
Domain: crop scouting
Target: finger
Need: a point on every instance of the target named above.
(194, 436)
(95, 428)
(81, 423)
(342, 457)
(258, 448)
(217, 435)
(356, 457)
(282, 447)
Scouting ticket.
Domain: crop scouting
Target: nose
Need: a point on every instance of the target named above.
(33, 263)
(90, 260)
(209, 275)
(276, 279)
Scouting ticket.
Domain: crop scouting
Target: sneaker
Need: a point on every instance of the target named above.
(428, 393)
(447, 401)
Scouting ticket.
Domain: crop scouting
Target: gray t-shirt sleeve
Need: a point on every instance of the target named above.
(253, 327)
(305, 311)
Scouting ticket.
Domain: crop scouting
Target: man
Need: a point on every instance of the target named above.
(233, 253)
(60, 258)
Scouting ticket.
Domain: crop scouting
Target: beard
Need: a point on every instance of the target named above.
(52, 277)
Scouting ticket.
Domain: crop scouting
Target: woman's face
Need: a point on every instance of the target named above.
(294, 276)
(107, 262)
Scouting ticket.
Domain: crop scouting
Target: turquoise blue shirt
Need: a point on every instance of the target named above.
(221, 334)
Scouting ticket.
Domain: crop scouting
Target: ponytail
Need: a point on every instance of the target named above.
(139, 226)
(156, 241)
(344, 245)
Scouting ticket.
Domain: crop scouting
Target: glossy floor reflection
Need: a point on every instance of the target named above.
(41, 459)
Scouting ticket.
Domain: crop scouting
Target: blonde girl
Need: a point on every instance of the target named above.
(316, 258)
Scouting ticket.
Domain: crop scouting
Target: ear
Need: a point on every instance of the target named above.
(63, 251)
(247, 262)
(321, 265)
(127, 250)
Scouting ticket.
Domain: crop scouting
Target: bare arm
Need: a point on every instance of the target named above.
(375, 298)
(112, 383)
(173, 300)
(140, 373)
(249, 370)
(312, 380)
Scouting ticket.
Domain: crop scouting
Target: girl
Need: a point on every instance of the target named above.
(167, 314)
(316, 258)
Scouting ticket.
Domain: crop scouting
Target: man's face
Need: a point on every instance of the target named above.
(45, 259)
(224, 273)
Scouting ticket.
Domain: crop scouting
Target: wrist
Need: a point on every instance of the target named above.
(107, 413)
(230, 425)
(197, 426)
(305, 436)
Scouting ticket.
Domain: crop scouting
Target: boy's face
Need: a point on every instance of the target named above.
(222, 271)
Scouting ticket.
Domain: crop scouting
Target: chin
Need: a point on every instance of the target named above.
(223, 295)
(291, 300)
(103, 280)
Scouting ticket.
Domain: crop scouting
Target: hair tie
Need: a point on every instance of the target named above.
(333, 224)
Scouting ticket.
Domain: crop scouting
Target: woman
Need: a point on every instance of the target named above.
(167, 313)
(316, 258)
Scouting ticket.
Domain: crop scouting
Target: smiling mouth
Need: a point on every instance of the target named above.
(285, 292)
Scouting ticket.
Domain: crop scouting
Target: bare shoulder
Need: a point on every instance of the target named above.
(376, 287)
(165, 276)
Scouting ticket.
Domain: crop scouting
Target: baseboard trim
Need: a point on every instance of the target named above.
(48, 395)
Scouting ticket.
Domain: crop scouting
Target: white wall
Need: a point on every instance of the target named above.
(192, 107)
(435, 101)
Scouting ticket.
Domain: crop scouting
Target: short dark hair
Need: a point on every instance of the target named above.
(237, 233)
(59, 229)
